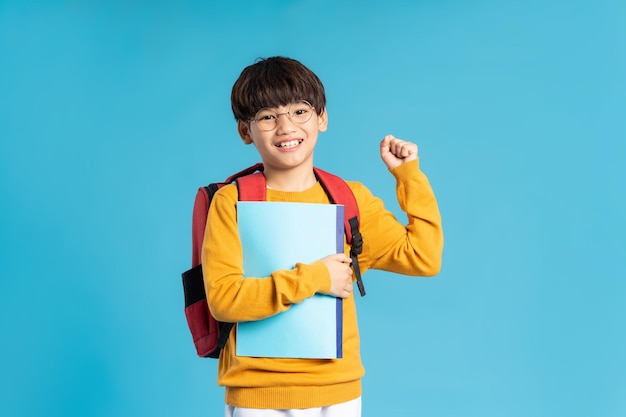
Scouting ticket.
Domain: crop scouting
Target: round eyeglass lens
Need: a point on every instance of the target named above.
(301, 112)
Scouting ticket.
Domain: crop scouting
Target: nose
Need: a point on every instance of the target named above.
(285, 123)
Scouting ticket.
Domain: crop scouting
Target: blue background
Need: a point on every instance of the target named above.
(113, 113)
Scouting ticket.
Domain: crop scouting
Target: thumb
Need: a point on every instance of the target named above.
(341, 257)
(384, 144)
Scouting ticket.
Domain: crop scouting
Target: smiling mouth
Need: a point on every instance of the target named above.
(290, 144)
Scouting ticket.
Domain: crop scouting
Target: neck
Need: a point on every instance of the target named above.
(292, 179)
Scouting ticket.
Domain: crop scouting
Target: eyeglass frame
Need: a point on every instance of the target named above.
(288, 113)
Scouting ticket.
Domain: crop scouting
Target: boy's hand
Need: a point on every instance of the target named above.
(340, 274)
(395, 152)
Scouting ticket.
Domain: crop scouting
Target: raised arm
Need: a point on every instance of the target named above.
(411, 248)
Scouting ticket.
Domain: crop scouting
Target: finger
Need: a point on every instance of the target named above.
(398, 147)
(411, 150)
(405, 149)
(387, 139)
(386, 142)
(342, 257)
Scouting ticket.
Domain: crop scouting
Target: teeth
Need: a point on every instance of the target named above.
(290, 144)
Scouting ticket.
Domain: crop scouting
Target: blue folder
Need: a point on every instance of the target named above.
(275, 236)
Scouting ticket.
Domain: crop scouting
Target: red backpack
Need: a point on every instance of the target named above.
(209, 335)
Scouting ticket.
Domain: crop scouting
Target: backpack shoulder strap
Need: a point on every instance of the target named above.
(201, 205)
(252, 187)
(339, 192)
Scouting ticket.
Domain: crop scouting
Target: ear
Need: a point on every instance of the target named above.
(244, 131)
(322, 121)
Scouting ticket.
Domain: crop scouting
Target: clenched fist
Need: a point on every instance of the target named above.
(395, 152)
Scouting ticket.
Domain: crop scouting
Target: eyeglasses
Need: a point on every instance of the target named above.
(299, 112)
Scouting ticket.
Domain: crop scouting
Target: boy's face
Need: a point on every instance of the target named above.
(289, 144)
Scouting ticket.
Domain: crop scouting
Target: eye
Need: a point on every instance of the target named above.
(265, 115)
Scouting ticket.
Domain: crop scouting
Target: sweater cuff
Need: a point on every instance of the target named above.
(321, 276)
(406, 171)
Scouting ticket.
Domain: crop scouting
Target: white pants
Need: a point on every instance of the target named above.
(347, 409)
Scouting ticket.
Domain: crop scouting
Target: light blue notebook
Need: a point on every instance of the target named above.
(275, 236)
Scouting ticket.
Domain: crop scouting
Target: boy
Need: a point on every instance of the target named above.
(280, 108)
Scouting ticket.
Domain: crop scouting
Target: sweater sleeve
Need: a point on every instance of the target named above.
(233, 298)
(412, 249)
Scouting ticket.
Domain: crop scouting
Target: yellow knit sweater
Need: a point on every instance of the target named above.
(414, 249)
